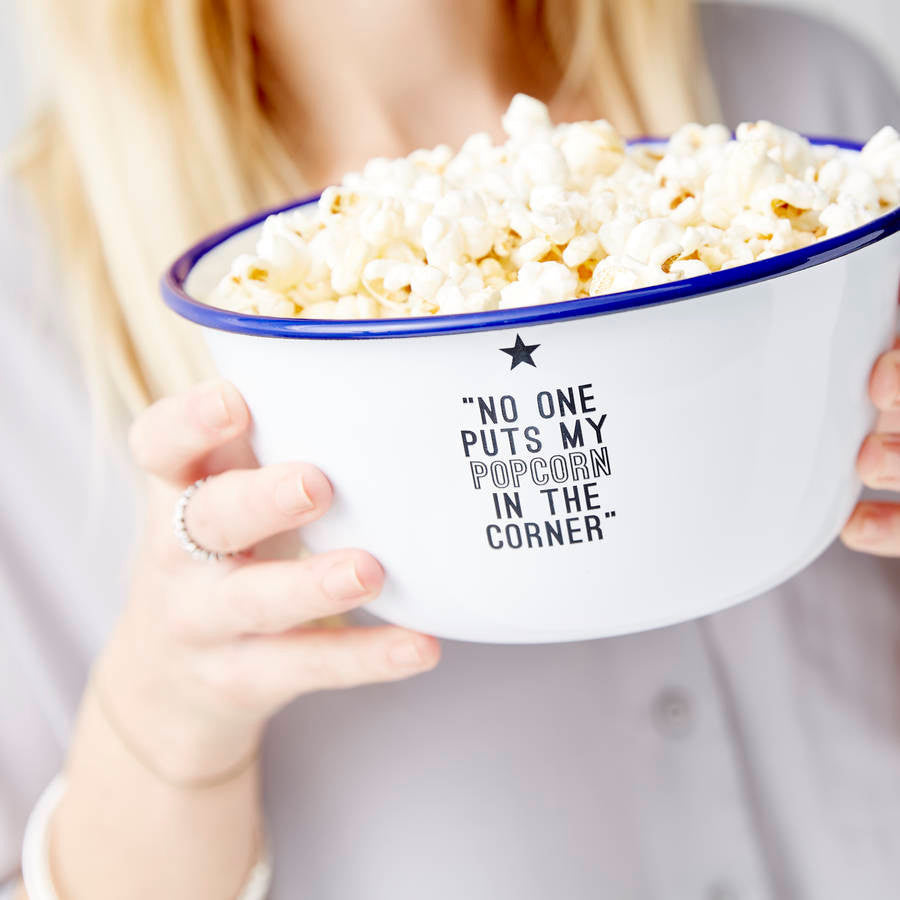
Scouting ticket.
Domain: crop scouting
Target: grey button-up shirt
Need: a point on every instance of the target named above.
(751, 754)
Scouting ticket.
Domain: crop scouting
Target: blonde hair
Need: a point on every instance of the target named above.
(154, 133)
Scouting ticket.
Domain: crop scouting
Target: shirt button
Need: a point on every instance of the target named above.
(673, 713)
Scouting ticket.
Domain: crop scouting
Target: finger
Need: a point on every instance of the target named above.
(884, 382)
(273, 597)
(242, 507)
(171, 438)
(878, 462)
(273, 670)
(888, 422)
(874, 528)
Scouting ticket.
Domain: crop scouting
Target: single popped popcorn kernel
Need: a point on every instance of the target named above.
(792, 151)
(530, 251)
(525, 117)
(581, 248)
(590, 149)
(689, 268)
(649, 234)
(555, 213)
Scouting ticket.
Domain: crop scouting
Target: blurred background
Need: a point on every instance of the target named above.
(875, 22)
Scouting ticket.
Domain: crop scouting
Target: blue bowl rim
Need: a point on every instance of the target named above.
(176, 297)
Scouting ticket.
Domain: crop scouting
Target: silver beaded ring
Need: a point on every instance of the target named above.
(188, 544)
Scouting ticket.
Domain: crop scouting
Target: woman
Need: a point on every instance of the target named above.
(751, 754)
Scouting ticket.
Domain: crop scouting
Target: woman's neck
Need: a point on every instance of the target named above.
(347, 80)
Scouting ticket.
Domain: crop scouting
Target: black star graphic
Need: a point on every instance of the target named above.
(521, 352)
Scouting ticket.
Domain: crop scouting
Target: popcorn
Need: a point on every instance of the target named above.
(649, 234)
(691, 139)
(442, 241)
(285, 251)
(542, 164)
(539, 282)
(555, 213)
(881, 156)
(356, 306)
(789, 199)
(794, 153)
(531, 250)
(580, 249)
(861, 187)
(624, 273)
(842, 216)
(426, 281)
(525, 117)
(690, 268)
(591, 150)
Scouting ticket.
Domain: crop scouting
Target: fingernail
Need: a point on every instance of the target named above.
(213, 410)
(887, 385)
(871, 529)
(894, 382)
(879, 460)
(291, 497)
(890, 462)
(341, 582)
(871, 457)
(406, 654)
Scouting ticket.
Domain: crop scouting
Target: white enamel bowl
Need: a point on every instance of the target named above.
(720, 418)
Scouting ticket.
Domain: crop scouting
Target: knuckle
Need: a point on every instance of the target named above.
(210, 523)
(208, 532)
(222, 537)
